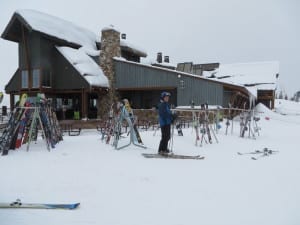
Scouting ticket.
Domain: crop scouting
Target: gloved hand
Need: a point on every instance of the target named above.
(174, 116)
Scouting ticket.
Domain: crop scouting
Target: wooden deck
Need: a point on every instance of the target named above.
(83, 124)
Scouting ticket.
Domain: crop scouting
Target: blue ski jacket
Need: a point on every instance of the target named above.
(165, 114)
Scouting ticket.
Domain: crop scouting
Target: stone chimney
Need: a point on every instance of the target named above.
(110, 47)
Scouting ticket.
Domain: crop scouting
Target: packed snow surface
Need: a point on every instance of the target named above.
(123, 188)
(287, 107)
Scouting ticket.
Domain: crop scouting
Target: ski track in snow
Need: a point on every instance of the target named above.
(124, 188)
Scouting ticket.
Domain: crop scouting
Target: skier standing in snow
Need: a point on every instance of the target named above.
(165, 119)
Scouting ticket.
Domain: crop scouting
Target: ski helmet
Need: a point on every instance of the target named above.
(164, 94)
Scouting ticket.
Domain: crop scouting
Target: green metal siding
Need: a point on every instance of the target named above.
(64, 75)
(43, 55)
(14, 82)
(135, 76)
(33, 43)
(47, 49)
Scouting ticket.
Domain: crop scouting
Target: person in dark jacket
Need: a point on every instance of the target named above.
(165, 120)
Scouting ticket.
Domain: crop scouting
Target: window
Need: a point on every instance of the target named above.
(58, 103)
(24, 77)
(36, 78)
(46, 82)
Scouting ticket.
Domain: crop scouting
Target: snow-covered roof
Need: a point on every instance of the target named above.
(66, 31)
(90, 52)
(253, 76)
(137, 50)
(153, 62)
(111, 27)
(85, 65)
(165, 64)
(58, 28)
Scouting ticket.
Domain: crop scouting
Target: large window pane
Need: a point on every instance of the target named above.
(36, 78)
(24, 75)
(46, 82)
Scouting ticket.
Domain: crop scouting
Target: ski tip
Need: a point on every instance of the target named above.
(75, 206)
(63, 206)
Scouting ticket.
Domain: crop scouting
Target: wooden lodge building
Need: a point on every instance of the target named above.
(75, 68)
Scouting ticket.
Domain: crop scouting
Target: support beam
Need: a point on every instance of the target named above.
(84, 104)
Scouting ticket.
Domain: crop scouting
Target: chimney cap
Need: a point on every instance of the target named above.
(110, 28)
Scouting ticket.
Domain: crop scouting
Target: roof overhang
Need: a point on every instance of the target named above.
(13, 32)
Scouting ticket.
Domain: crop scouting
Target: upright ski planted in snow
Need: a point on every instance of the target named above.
(129, 111)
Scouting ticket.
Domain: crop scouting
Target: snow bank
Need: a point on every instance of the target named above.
(262, 109)
(286, 107)
(268, 114)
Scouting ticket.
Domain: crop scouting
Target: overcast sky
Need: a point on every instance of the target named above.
(201, 31)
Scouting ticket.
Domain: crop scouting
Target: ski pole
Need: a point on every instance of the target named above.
(172, 138)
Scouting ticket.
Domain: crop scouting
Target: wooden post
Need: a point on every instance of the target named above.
(26, 56)
(12, 101)
(84, 103)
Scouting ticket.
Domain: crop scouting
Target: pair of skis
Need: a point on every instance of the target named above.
(19, 204)
(129, 115)
(172, 156)
(9, 135)
(261, 153)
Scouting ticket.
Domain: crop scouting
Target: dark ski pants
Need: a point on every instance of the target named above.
(165, 137)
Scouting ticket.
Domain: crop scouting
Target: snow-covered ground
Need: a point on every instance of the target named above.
(123, 188)
(287, 107)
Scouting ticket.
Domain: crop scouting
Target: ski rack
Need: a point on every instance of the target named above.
(248, 122)
(25, 122)
(125, 116)
(36, 116)
(251, 119)
(202, 126)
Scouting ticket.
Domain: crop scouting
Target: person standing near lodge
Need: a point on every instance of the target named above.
(165, 119)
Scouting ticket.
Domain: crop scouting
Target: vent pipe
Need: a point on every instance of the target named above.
(159, 57)
(166, 59)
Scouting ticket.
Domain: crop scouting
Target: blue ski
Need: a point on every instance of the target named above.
(19, 204)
